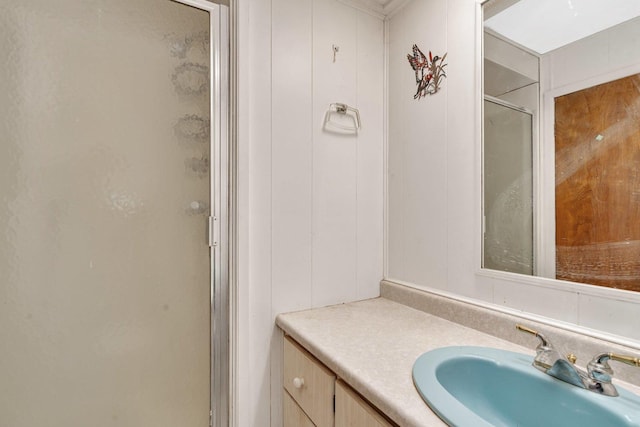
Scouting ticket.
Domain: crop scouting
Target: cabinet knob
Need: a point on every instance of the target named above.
(298, 382)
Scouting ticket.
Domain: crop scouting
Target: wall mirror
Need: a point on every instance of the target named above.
(561, 140)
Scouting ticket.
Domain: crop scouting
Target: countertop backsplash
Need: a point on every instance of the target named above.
(502, 325)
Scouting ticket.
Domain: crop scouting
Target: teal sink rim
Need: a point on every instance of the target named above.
(625, 407)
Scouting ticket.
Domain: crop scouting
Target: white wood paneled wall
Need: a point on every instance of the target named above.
(315, 199)
(311, 204)
(326, 189)
(434, 162)
(418, 149)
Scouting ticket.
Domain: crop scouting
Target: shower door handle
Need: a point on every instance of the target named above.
(213, 231)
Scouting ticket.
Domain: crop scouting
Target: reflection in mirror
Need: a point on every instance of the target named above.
(597, 141)
(561, 140)
(508, 195)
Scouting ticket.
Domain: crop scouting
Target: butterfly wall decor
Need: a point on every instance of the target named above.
(429, 71)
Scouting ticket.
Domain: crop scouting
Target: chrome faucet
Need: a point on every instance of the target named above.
(596, 378)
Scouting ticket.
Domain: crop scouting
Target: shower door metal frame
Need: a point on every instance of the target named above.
(219, 220)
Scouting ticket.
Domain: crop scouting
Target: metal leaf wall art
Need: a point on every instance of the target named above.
(429, 71)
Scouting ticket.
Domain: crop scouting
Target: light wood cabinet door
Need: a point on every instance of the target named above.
(309, 383)
(353, 411)
(292, 414)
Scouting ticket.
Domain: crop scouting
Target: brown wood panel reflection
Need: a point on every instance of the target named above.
(597, 138)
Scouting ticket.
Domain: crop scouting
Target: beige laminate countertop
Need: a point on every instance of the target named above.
(373, 344)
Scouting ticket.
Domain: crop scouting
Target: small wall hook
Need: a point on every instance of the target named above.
(336, 49)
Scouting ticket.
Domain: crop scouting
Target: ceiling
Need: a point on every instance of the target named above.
(377, 7)
(545, 25)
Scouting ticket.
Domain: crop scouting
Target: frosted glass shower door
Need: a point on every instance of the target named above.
(508, 189)
(104, 201)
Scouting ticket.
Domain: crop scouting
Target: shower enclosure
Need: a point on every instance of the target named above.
(508, 243)
(113, 296)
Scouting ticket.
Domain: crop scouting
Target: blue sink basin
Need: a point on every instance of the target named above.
(478, 386)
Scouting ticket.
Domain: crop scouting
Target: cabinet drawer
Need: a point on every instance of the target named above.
(309, 383)
(353, 411)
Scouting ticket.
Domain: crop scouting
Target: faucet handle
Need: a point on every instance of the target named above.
(546, 354)
(543, 340)
(598, 369)
(629, 360)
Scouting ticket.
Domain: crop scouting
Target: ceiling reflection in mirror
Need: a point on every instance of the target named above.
(561, 140)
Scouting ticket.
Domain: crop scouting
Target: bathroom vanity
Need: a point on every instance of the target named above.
(314, 396)
(365, 351)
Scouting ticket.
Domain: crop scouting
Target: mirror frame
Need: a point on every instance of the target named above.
(544, 299)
